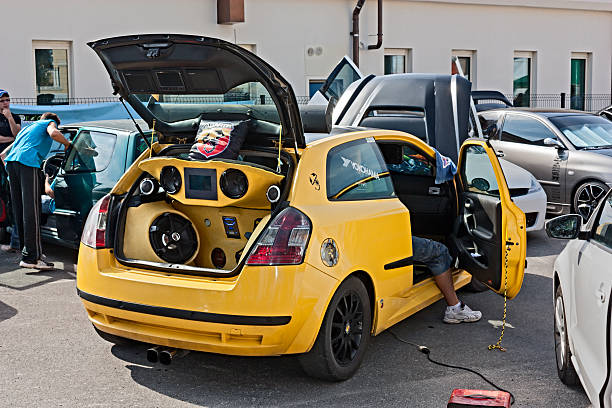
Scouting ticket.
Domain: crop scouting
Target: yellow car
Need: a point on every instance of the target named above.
(301, 244)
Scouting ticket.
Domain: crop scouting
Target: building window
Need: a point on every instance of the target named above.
(578, 80)
(314, 85)
(52, 65)
(397, 61)
(465, 59)
(522, 84)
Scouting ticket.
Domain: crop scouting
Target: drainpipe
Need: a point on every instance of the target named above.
(380, 28)
(355, 32)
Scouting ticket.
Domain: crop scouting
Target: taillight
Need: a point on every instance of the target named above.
(284, 240)
(94, 232)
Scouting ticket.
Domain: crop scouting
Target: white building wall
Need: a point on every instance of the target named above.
(282, 30)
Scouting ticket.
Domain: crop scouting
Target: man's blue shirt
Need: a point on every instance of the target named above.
(32, 144)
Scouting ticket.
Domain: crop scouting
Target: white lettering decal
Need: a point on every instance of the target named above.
(359, 168)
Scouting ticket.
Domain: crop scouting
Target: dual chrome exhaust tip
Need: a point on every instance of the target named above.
(163, 354)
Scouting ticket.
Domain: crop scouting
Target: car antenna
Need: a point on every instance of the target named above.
(136, 124)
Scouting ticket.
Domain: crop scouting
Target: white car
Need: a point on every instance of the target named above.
(527, 194)
(582, 292)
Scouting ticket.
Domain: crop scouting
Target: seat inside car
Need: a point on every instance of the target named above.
(413, 177)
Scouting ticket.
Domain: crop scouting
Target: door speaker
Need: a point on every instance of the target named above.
(173, 238)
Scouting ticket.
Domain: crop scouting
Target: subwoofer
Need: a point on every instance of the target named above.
(173, 238)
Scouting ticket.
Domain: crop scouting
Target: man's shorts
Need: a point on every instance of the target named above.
(432, 253)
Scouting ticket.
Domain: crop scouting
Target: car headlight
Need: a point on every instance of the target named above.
(535, 186)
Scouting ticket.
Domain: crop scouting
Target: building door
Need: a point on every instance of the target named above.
(578, 83)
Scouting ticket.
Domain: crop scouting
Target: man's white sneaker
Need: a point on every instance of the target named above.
(39, 265)
(460, 314)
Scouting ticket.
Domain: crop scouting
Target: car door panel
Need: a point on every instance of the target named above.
(489, 236)
(522, 144)
(592, 283)
(592, 286)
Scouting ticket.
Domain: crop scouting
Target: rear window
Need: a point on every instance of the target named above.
(91, 152)
(356, 171)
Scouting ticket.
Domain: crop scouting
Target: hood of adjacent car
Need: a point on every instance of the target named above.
(171, 64)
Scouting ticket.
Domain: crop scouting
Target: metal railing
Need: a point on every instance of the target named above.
(586, 102)
(262, 100)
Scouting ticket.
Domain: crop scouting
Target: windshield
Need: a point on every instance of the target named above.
(585, 131)
(250, 98)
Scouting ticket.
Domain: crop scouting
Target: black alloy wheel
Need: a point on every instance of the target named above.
(344, 334)
(565, 367)
(588, 196)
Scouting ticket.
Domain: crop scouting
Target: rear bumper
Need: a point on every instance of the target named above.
(263, 311)
(534, 207)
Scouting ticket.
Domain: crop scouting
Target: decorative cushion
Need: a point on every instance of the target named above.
(218, 139)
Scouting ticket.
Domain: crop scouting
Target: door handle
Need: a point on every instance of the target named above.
(500, 153)
(601, 296)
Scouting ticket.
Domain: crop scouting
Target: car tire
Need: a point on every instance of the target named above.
(476, 286)
(344, 334)
(565, 367)
(587, 197)
(118, 340)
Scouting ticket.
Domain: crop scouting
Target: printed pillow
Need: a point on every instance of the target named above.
(217, 139)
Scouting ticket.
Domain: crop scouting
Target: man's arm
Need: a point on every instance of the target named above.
(48, 189)
(57, 135)
(5, 153)
(6, 139)
(15, 127)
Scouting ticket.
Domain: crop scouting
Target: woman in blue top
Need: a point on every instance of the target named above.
(25, 156)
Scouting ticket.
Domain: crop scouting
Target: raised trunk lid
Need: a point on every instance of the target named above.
(171, 64)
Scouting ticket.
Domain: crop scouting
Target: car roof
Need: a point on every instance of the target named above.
(126, 125)
(336, 131)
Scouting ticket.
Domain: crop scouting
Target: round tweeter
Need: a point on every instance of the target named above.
(173, 238)
(148, 186)
(170, 178)
(273, 194)
(234, 183)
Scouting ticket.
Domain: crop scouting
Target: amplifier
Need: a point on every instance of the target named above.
(478, 398)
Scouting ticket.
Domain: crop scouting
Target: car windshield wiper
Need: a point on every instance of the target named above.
(597, 147)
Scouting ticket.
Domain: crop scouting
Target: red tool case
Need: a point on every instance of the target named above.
(478, 398)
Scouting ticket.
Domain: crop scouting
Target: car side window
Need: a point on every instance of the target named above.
(488, 119)
(140, 145)
(526, 130)
(603, 226)
(413, 164)
(356, 170)
(91, 152)
(477, 172)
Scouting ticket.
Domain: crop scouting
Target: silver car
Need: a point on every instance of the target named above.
(569, 153)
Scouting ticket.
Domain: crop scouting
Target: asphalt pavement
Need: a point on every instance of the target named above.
(50, 355)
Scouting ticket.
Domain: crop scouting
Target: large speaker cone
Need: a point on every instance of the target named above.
(173, 238)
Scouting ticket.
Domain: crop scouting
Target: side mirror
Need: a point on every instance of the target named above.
(549, 141)
(564, 227)
(490, 131)
(481, 184)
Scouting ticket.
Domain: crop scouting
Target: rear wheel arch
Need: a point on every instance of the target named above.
(367, 281)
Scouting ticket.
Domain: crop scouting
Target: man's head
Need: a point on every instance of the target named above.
(52, 116)
(5, 99)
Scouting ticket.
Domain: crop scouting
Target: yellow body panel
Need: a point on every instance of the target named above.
(369, 234)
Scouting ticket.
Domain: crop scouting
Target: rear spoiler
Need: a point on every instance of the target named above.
(491, 96)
